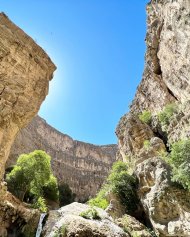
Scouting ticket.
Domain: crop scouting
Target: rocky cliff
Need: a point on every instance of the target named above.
(166, 80)
(25, 72)
(82, 166)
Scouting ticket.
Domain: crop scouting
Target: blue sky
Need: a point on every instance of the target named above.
(98, 47)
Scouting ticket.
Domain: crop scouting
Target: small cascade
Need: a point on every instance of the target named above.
(39, 230)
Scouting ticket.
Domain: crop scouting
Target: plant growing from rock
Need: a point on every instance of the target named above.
(145, 117)
(121, 183)
(146, 144)
(179, 159)
(100, 199)
(165, 116)
(91, 213)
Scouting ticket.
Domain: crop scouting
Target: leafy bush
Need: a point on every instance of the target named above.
(66, 196)
(120, 183)
(50, 189)
(146, 144)
(90, 214)
(32, 177)
(124, 185)
(100, 199)
(40, 204)
(145, 116)
(166, 114)
(179, 159)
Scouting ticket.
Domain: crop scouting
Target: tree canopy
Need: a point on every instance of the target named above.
(32, 177)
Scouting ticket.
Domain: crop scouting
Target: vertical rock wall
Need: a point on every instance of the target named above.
(166, 79)
(25, 72)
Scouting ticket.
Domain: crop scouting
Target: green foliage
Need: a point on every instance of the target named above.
(91, 213)
(120, 183)
(50, 189)
(165, 116)
(146, 145)
(100, 199)
(179, 159)
(145, 116)
(32, 177)
(124, 185)
(66, 196)
(40, 204)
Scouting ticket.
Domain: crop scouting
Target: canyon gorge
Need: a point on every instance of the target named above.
(163, 205)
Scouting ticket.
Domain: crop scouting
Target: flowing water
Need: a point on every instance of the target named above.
(39, 230)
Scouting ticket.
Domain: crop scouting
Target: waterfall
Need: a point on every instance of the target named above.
(39, 230)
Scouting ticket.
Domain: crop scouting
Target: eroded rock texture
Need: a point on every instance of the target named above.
(69, 218)
(82, 166)
(166, 79)
(25, 72)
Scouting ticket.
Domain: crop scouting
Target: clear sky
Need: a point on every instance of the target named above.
(98, 47)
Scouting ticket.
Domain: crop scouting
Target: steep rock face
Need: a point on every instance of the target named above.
(166, 205)
(165, 80)
(82, 166)
(25, 72)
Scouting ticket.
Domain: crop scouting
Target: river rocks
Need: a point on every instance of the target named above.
(83, 166)
(25, 72)
(69, 222)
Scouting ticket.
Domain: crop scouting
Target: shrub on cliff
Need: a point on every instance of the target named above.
(121, 183)
(145, 116)
(100, 199)
(32, 177)
(179, 159)
(165, 116)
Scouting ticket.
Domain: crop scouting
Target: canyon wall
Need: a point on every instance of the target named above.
(82, 166)
(25, 72)
(166, 80)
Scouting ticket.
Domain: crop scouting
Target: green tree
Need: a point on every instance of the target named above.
(50, 190)
(32, 177)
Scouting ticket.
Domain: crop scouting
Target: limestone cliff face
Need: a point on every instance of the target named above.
(81, 165)
(166, 79)
(25, 72)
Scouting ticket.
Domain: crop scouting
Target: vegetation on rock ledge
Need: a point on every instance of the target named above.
(121, 183)
(145, 116)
